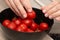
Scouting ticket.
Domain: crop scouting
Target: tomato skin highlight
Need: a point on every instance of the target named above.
(43, 26)
(27, 22)
(17, 21)
(34, 26)
(22, 28)
(12, 26)
(6, 22)
(31, 15)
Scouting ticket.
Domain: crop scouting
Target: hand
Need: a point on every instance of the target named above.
(52, 11)
(18, 7)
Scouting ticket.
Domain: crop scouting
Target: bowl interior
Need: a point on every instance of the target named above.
(9, 14)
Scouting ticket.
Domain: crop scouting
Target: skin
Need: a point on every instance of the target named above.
(18, 7)
(52, 10)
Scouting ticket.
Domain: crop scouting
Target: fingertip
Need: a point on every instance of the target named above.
(44, 11)
(29, 10)
(58, 18)
(50, 17)
(25, 16)
(46, 15)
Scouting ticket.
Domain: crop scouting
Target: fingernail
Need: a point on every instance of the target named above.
(50, 17)
(25, 15)
(44, 11)
(46, 15)
(29, 10)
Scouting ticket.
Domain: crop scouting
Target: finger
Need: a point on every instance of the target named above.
(54, 15)
(20, 8)
(47, 8)
(27, 5)
(57, 18)
(53, 10)
(8, 3)
(14, 7)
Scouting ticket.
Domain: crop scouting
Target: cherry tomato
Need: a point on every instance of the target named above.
(17, 21)
(12, 26)
(31, 15)
(22, 28)
(6, 22)
(29, 30)
(19, 29)
(34, 26)
(43, 26)
(27, 22)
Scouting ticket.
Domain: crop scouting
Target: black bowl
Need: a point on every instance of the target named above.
(9, 14)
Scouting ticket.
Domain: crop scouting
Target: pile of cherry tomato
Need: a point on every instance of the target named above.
(25, 25)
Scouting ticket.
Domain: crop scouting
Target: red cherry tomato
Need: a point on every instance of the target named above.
(6, 22)
(22, 28)
(27, 22)
(29, 30)
(17, 21)
(31, 15)
(43, 26)
(12, 26)
(34, 26)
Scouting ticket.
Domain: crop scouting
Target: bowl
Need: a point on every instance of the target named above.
(9, 14)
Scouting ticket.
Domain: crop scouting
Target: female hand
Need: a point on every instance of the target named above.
(52, 11)
(18, 7)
